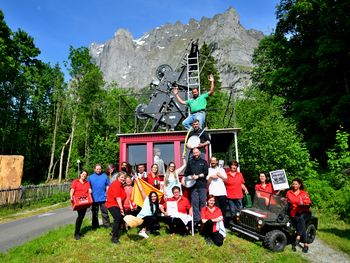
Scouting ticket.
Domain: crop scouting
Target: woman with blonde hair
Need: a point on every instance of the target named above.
(171, 178)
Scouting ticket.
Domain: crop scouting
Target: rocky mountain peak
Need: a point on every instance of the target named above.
(132, 62)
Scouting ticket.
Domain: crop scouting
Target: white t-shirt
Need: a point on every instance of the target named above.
(217, 186)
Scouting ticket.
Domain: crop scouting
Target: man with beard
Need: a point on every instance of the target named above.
(197, 169)
(197, 105)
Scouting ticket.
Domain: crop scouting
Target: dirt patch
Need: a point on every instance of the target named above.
(321, 252)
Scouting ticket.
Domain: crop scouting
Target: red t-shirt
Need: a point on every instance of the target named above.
(234, 185)
(300, 203)
(114, 191)
(207, 214)
(151, 180)
(183, 205)
(268, 188)
(80, 188)
(128, 204)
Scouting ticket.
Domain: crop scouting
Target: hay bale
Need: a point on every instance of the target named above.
(11, 171)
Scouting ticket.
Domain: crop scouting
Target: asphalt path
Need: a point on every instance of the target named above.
(20, 231)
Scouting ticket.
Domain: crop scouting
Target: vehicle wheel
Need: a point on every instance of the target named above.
(275, 240)
(310, 233)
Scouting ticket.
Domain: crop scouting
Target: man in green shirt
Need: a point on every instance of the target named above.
(197, 104)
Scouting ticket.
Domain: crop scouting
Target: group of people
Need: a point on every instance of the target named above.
(204, 210)
(214, 188)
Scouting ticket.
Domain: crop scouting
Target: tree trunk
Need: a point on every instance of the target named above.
(70, 145)
(86, 141)
(61, 160)
(53, 147)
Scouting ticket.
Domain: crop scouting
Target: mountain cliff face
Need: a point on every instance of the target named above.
(132, 63)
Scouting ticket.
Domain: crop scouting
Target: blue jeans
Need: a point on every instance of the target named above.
(198, 199)
(234, 204)
(187, 123)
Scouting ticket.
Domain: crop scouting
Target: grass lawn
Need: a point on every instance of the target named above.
(334, 232)
(95, 246)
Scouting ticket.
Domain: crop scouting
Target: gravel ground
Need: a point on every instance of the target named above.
(321, 252)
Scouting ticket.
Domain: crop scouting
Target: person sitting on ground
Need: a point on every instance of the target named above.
(80, 187)
(213, 228)
(197, 104)
(178, 221)
(149, 212)
(115, 198)
(171, 178)
(300, 212)
(153, 177)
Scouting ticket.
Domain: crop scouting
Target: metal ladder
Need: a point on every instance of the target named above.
(193, 78)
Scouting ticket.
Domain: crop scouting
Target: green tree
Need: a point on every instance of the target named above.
(268, 141)
(215, 107)
(306, 61)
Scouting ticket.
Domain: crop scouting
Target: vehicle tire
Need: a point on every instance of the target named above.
(310, 233)
(275, 240)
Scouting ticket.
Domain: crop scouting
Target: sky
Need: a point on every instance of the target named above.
(57, 24)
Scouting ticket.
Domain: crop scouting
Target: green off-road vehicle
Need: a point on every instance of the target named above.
(268, 220)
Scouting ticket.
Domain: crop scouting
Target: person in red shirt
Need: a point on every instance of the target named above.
(300, 212)
(130, 208)
(115, 198)
(153, 177)
(176, 224)
(80, 187)
(213, 228)
(234, 186)
(264, 189)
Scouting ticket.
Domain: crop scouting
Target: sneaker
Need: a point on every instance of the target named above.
(143, 234)
(115, 240)
(208, 241)
(305, 249)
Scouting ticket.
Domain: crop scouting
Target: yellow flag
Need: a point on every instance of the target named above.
(136, 195)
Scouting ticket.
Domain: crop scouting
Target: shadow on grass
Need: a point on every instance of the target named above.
(343, 233)
(134, 237)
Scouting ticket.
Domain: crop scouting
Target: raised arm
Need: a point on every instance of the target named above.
(140, 187)
(180, 169)
(211, 79)
(176, 93)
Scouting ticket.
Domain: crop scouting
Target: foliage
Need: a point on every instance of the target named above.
(306, 61)
(26, 92)
(268, 141)
(96, 246)
(215, 107)
(339, 160)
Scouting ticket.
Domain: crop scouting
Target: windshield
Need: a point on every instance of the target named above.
(269, 202)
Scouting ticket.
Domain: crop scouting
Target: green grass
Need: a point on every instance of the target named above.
(335, 232)
(95, 246)
(22, 210)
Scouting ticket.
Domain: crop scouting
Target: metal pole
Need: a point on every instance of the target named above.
(78, 162)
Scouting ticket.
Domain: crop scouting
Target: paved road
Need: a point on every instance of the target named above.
(20, 231)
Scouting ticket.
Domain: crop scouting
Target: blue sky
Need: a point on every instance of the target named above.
(57, 24)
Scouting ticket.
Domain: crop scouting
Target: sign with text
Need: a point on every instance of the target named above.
(279, 180)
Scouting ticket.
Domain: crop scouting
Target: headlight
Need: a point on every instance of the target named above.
(238, 213)
(260, 222)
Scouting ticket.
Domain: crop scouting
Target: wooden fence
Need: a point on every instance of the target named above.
(31, 193)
